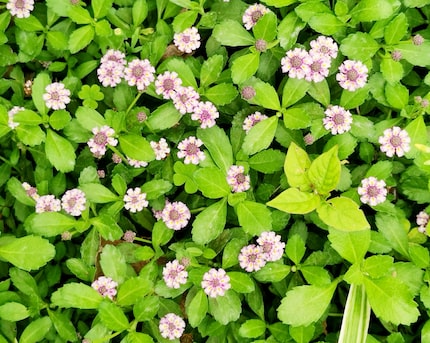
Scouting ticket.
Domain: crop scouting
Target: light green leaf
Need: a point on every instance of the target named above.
(397, 95)
(89, 118)
(136, 147)
(59, 119)
(146, 308)
(60, 152)
(241, 282)
(113, 316)
(80, 38)
(184, 20)
(346, 144)
(13, 311)
(279, 3)
(396, 29)
(30, 135)
(295, 248)
(309, 304)
(63, 325)
(101, 7)
(418, 133)
(36, 330)
(107, 227)
(254, 217)
(289, 29)
(324, 172)
(320, 91)
(350, 100)
(296, 118)
(225, 309)
(272, 272)
(369, 10)
(296, 165)
(359, 46)
(292, 200)
(98, 193)
(252, 328)
(79, 15)
(394, 229)
(139, 11)
(326, 23)
(392, 70)
(50, 224)
(76, 295)
(232, 33)
(28, 252)
(212, 182)
(161, 234)
(343, 213)
(38, 89)
(155, 188)
(377, 266)
(30, 23)
(267, 161)
(27, 117)
(351, 245)
(184, 71)
(294, 90)
(260, 136)
(197, 308)
(221, 94)
(164, 117)
(210, 223)
(418, 55)
(244, 67)
(211, 70)
(113, 263)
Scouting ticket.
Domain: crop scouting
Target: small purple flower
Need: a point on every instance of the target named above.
(422, 221)
(296, 63)
(372, 191)
(236, 178)
(185, 99)
(175, 215)
(171, 326)
(247, 92)
(215, 282)
(103, 137)
(206, 113)
(105, 286)
(20, 8)
(129, 236)
(253, 119)
(56, 96)
(325, 46)
(167, 83)
(11, 113)
(161, 149)
(188, 40)
(73, 202)
(273, 248)
(319, 67)
(113, 55)
(251, 258)
(110, 73)
(139, 73)
(309, 139)
(30, 190)
(252, 14)
(189, 149)
(174, 274)
(47, 203)
(395, 141)
(135, 200)
(417, 39)
(352, 75)
(136, 163)
(396, 55)
(337, 120)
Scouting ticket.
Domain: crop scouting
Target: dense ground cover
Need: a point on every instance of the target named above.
(214, 171)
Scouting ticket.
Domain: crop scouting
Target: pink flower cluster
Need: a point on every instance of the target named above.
(103, 137)
(253, 257)
(105, 286)
(215, 282)
(252, 120)
(20, 8)
(174, 274)
(237, 179)
(252, 14)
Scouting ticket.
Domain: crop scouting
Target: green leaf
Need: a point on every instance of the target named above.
(76, 295)
(136, 147)
(210, 223)
(89, 118)
(350, 100)
(211, 70)
(218, 145)
(101, 8)
(296, 117)
(50, 224)
(36, 330)
(184, 175)
(266, 95)
(38, 89)
(63, 326)
(296, 165)
(359, 46)
(254, 217)
(324, 172)
(183, 70)
(315, 275)
(60, 152)
(155, 188)
(295, 201)
(391, 300)
(28, 253)
(394, 229)
(241, 282)
(161, 234)
(30, 23)
(295, 248)
(225, 309)
(392, 70)
(80, 38)
(382, 170)
(369, 10)
(24, 282)
(184, 20)
(326, 23)
(293, 91)
(113, 263)
(146, 308)
(418, 133)
(59, 119)
(80, 269)
(27, 117)
(396, 29)
(164, 117)
(260, 136)
(56, 40)
(221, 94)
(13, 311)
(212, 182)
(343, 213)
(346, 144)
(139, 11)
(377, 266)
(113, 316)
(267, 161)
(79, 15)
(309, 304)
(320, 91)
(30, 135)
(289, 29)
(266, 27)
(397, 95)
(197, 308)
(98, 193)
(418, 55)
(252, 328)
(232, 33)
(279, 3)
(107, 227)
(272, 272)
(351, 245)
(244, 67)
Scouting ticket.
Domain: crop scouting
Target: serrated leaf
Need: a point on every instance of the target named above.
(107, 227)
(113, 263)
(289, 29)
(136, 147)
(244, 67)
(359, 46)
(212, 182)
(396, 29)
(197, 308)
(164, 117)
(296, 118)
(294, 90)
(211, 70)
(13, 311)
(397, 95)
(260, 136)
(326, 23)
(38, 89)
(112, 316)
(98, 193)
(210, 223)
(418, 134)
(232, 33)
(369, 10)
(252, 328)
(254, 217)
(222, 94)
(225, 309)
(265, 95)
(76, 295)
(63, 326)
(295, 248)
(80, 38)
(393, 229)
(418, 55)
(241, 282)
(50, 224)
(267, 161)
(324, 171)
(36, 330)
(296, 165)
(155, 188)
(60, 152)
(295, 201)
(352, 245)
(101, 7)
(272, 272)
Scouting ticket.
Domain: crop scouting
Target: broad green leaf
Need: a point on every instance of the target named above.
(164, 117)
(218, 145)
(343, 214)
(382, 170)
(79, 15)
(30, 135)
(210, 223)
(241, 282)
(161, 234)
(136, 147)
(101, 7)
(146, 308)
(392, 70)
(377, 266)
(346, 144)
(293, 91)
(232, 33)
(394, 229)
(226, 308)
(350, 100)
(391, 300)
(252, 328)
(296, 165)
(113, 263)
(418, 55)
(397, 95)
(420, 256)
(63, 325)
(90, 246)
(396, 29)
(231, 252)
(302, 334)
(295, 248)
(59, 119)
(28, 252)
(289, 29)
(155, 188)
(139, 11)
(38, 89)
(80, 38)
(359, 46)
(279, 3)
(309, 304)
(80, 269)
(221, 94)
(24, 281)
(315, 275)
(184, 20)
(50, 224)
(14, 186)
(369, 10)
(294, 201)
(197, 308)
(183, 70)
(36, 330)
(418, 133)
(326, 23)
(60, 152)
(137, 337)
(56, 40)
(244, 67)
(254, 217)
(324, 172)
(76, 295)
(98, 193)
(107, 227)
(260, 136)
(296, 117)
(416, 3)
(267, 161)
(30, 23)
(320, 91)
(351, 245)
(13, 311)
(112, 316)
(184, 175)
(89, 118)
(27, 117)
(212, 182)
(211, 70)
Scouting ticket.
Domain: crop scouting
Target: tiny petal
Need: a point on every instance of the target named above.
(337, 120)
(171, 326)
(215, 282)
(174, 274)
(135, 200)
(372, 191)
(105, 286)
(352, 75)
(395, 141)
(188, 40)
(236, 178)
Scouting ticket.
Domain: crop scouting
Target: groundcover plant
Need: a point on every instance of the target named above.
(214, 171)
